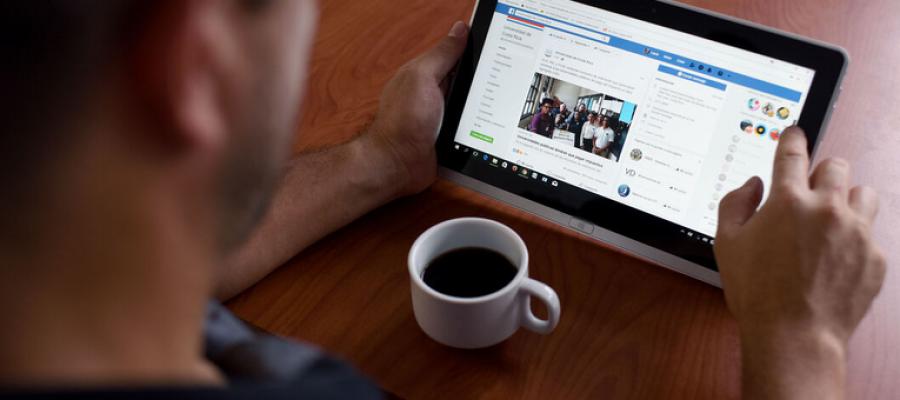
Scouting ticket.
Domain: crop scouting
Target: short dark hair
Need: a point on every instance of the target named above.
(547, 102)
(53, 54)
(51, 47)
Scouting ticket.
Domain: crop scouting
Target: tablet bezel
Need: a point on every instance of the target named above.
(632, 230)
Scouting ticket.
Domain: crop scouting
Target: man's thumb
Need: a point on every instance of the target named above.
(739, 206)
(440, 60)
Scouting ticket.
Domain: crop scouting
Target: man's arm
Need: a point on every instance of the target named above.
(320, 192)
(324, 190)
(533, 127)
(792, 362)
(799, 274)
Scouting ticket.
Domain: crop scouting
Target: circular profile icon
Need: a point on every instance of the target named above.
(753, 104)
(747, 126)
(775, 134)
(761, 129)
(646, 50)
(624, 190)
(783, 113)
(769, 110)
(637, 155)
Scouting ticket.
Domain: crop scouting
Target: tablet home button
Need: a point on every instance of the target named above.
(582, 226)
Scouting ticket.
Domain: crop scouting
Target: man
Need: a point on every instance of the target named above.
(576, 122)
(542, 122)
(604, 139)
(589, 132)
(561, 110)
(157, 139)
(559, 122)
(143, 142)
(560, 114)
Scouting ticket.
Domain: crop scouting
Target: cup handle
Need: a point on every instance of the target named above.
(531, 287)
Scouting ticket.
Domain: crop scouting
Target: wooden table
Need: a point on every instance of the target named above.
(628, 329)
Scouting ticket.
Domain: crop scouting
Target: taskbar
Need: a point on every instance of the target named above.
(545, 182)
(518, 170)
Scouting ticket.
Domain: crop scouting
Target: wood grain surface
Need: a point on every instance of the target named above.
(628, 329)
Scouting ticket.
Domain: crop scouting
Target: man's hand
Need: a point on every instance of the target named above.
(411, 111)
(799, 274)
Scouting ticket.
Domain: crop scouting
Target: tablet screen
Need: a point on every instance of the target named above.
(581, 102)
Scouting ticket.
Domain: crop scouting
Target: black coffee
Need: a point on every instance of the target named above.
(469, 272)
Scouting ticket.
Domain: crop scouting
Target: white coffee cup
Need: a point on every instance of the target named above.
(484, 321)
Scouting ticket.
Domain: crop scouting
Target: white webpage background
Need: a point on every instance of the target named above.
(688, 133)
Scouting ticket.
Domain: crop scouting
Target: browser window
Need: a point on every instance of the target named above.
(656, 119)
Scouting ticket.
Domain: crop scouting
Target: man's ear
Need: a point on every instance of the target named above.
(183, 67)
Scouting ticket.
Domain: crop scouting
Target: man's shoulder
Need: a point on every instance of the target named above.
(255, 357)
(256, 364)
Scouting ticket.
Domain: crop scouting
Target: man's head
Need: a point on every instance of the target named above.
(192, 100)
(546, 105)
(562, 107)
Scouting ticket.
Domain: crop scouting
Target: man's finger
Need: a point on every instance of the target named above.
(739, 206)
(791, 160)
(864, 200)
(441, 59)
(832, 177)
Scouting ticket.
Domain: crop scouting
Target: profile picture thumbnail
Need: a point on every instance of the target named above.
(775, 134)
(754, 104)
(624, 190)
(747, 126)
(783, 113)
(761, 129)
(637, 154)
(769, 110)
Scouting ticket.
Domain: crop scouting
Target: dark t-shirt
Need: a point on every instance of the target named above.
(257, 365)
(576, 123)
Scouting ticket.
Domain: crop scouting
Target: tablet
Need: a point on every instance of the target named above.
(628, 121)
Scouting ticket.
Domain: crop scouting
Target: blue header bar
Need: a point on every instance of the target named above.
(699, 67)
(691, 77)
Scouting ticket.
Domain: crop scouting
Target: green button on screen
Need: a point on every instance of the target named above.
(481, 136)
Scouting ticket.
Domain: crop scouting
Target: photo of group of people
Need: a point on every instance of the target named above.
(582, 118)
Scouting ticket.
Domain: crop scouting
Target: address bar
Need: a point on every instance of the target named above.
(541, 20)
